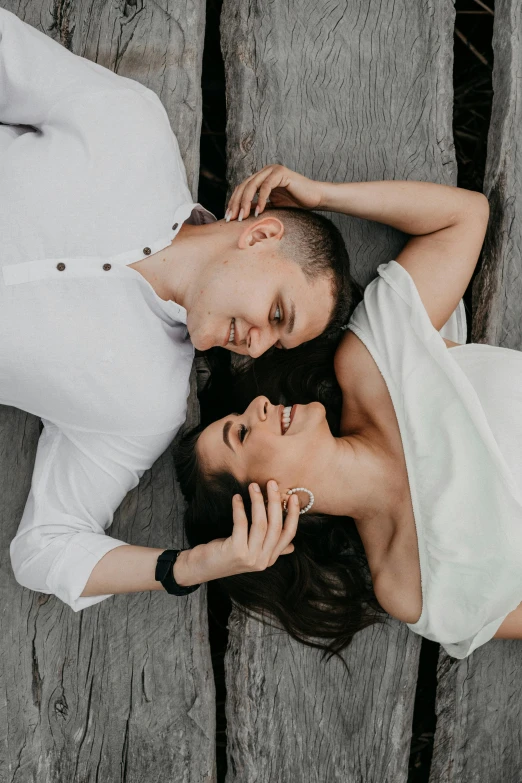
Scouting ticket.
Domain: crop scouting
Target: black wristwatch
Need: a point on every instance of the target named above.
(165, 573)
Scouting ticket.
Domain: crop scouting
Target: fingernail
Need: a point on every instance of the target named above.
(227, 216)
(294, 499)
(241, 213)
(255, 487)
(256, 213)
(273, 484)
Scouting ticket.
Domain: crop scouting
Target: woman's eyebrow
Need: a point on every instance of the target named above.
(226, 430)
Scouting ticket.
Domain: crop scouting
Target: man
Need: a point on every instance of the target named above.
(108, 268)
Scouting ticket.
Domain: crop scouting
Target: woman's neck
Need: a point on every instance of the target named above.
(352, 478)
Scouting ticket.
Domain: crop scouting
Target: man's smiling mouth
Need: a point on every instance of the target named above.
(232, 332)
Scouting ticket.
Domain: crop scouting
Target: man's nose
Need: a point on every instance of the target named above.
(260, 340)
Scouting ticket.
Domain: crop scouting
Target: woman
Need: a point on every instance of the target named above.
(426, 462)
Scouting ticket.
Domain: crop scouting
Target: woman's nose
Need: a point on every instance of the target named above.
(259, 408)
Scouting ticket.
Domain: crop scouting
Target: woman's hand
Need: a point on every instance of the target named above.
(283, 187)
(245, 551)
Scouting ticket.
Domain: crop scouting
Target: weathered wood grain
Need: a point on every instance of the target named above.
(292, 716)
(124, 690)
(479, 725)
(479, 699)
(497, 289)
(347, 91)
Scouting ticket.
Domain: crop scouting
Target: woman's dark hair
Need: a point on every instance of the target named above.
(323, 589)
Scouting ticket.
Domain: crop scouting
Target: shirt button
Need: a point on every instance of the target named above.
(60, 267)
(146, 250)
(106, 267)
(174, 227)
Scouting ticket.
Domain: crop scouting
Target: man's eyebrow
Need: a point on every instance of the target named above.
(291, 319)
(226, 430)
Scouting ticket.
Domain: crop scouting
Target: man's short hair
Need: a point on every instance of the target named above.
(316, 244)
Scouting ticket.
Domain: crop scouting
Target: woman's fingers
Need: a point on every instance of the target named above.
(267, 179)
(264, 192)
(268, 537)
(284, 546)
(240, 529)
(259, 521)
(275, 519)
(243, 195)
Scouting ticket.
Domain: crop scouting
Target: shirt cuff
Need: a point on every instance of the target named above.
(71, 570)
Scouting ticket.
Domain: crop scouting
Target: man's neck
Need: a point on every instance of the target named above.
(173, 270)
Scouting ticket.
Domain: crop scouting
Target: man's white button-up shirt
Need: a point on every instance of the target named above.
(91, 180)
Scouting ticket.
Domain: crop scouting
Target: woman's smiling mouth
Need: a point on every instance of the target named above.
(287, 414)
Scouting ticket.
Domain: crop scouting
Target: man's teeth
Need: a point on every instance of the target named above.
(232, 331)
(285, 417)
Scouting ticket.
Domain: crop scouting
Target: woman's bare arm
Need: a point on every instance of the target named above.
(413, 207)
(511, 627)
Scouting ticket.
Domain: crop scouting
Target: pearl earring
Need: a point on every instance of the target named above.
(301, 489)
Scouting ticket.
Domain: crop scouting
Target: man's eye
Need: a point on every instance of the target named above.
(278, 315)
(242, 433)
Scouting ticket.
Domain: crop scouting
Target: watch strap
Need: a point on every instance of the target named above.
(165, 573)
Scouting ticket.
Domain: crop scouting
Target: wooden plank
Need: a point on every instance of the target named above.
(123, 690)
(479, 731)
(497, 289)
(290, 716)
(340, 92)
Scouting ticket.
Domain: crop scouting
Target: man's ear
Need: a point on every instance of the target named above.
(260, 230)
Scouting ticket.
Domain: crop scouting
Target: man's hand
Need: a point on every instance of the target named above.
(244, 551)
(283, 187)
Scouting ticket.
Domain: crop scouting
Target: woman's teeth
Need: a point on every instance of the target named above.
(232, 331)
(285, 418)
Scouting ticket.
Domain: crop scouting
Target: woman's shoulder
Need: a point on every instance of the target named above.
(357, 373)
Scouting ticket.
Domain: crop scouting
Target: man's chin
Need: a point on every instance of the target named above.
(206, 343)
(241, 351)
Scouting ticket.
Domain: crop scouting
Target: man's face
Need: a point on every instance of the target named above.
(253, 298)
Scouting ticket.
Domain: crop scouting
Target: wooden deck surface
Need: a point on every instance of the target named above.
(479, 699)
(346, 92)
(124, 690)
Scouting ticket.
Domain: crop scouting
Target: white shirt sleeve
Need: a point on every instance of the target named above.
(37, 72)
(78, 482)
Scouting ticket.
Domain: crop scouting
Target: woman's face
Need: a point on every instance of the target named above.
(258, 444)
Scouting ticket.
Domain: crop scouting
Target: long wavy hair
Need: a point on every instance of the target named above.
(322, 592)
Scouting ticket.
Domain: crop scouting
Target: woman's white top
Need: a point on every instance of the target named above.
(91, 180)
(459, 412)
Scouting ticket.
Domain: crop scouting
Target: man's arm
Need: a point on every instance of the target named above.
(78, 482)
(130, 569)
(37, 72)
